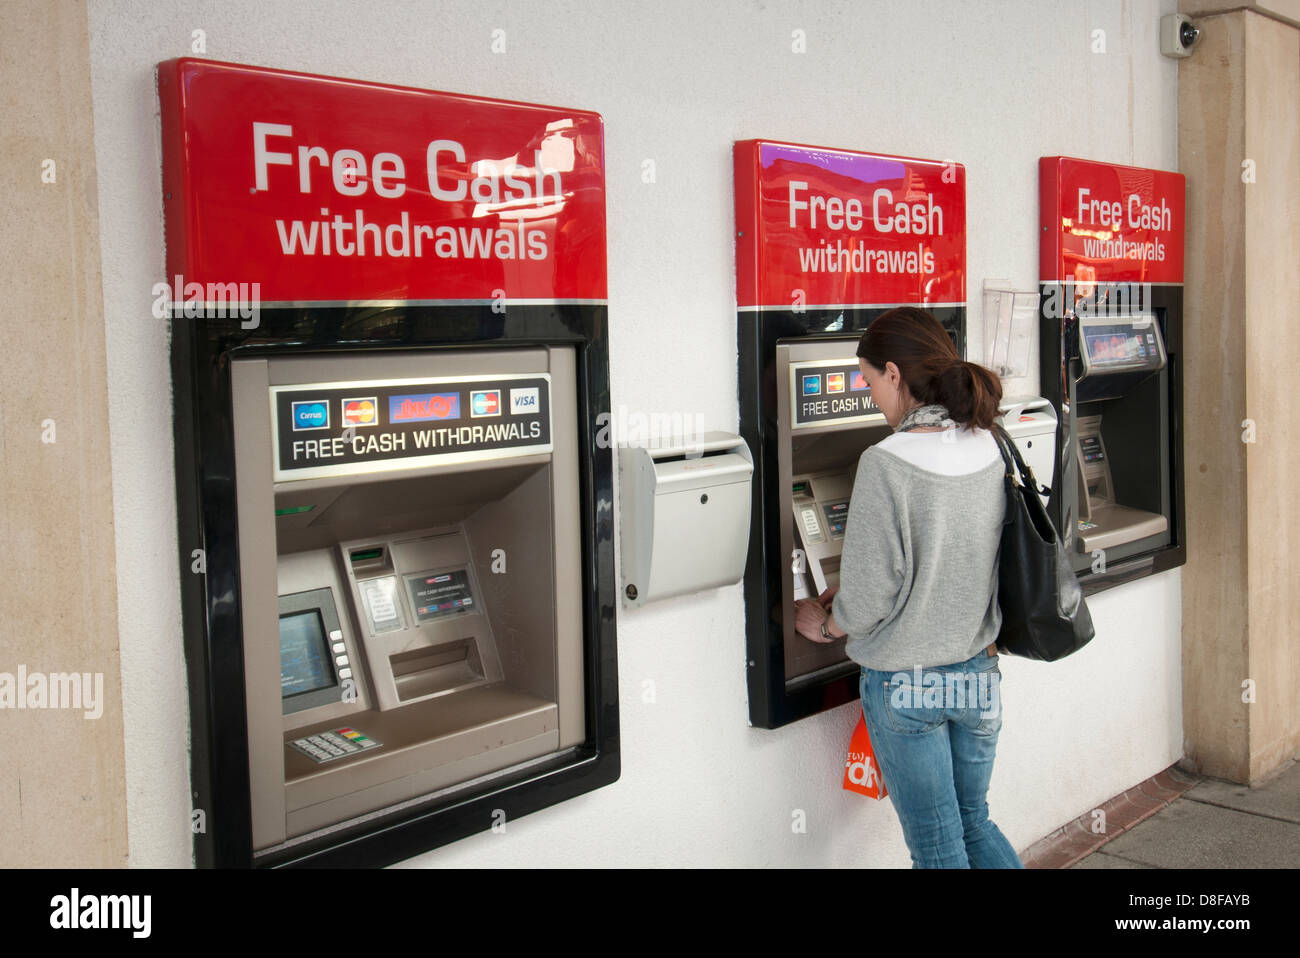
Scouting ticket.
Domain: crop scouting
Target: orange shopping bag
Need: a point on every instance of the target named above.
(861, 773)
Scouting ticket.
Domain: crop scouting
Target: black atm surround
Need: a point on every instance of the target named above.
(771, 704)
(1059, 368)
(202, 350)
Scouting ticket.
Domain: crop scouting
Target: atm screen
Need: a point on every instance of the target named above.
(1121, 344)
(305, 664)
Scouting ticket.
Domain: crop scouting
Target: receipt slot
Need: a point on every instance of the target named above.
(1111, 334)
(397, 563)
(826, 241)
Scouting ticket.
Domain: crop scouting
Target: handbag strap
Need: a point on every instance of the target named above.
(1010, 451)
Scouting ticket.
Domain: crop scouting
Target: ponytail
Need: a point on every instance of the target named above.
(970, 392)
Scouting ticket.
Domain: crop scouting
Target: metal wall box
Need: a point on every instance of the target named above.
(1031, 423)
(685, 516)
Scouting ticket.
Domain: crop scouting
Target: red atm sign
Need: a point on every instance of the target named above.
(823, 227)
(328, 190)
(1104, 223)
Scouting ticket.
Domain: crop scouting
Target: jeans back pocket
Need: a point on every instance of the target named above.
(902, 708)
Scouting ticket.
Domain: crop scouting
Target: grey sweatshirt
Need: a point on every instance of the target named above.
(919, 564)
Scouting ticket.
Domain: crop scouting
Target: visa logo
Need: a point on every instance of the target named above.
(311, 414)
(423, 406)
(523, 401)
(485, 402)
(812, 385)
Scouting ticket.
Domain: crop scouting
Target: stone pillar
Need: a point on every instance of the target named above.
(62, 774)
(1239, 147)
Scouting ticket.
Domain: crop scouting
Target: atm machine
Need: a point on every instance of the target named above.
(825, 408)
(1111, 339)
(826, 241)
(1117, 355)
(397, 574)
(408, 623)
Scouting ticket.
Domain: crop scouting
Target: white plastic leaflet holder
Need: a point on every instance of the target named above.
(685, 508)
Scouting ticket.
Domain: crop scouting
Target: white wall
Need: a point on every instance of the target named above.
(993, 85)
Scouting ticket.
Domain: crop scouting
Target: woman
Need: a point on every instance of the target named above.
(917, 595)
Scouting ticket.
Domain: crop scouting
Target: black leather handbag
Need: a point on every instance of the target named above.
(1043, 612)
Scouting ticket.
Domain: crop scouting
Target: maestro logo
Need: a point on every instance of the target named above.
(484, 402)
(421, 407)
(524, 401)
(311, 414)
(361, 412)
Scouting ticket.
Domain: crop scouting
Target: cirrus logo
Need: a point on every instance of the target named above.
(311, 414)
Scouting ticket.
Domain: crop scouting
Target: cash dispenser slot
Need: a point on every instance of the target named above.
(427, 672)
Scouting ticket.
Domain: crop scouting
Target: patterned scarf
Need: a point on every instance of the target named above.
(932, 415)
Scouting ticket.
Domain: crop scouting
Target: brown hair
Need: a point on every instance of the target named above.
(918, 345)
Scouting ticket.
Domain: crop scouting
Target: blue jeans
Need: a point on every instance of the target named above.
(934, 732)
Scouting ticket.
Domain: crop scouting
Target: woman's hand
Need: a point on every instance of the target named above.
(808, 618)
(827, 597)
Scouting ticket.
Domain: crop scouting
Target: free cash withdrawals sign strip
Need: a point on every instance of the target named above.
(333, 429)
(1105, 223)
(329, 190)
(820, 226)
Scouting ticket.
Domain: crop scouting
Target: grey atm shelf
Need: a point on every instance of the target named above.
(430, 745)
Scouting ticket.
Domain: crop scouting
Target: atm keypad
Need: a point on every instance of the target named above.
(339, 743)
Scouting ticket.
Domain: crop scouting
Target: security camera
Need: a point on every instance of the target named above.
(1177, 35)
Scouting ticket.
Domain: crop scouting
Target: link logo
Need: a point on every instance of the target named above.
(423, 407)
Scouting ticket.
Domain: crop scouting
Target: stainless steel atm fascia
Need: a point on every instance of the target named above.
(808, 662)
(278, 814)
